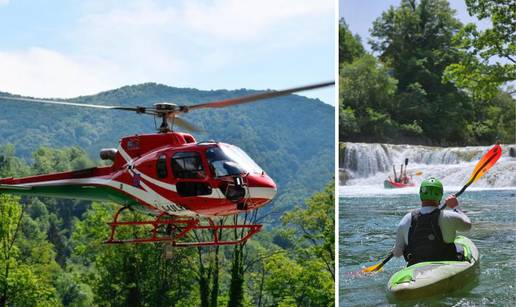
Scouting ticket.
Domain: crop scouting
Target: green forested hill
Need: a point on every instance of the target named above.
(290, 137)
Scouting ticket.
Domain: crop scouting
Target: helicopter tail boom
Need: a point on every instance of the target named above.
(83, 184)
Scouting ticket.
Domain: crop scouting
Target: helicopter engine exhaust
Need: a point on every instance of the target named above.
(108, 153)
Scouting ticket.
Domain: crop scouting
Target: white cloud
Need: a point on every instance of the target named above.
(46, 73)
(242, 20)
(184, 43)
(191, 37)
(247, 20)
(4, 2)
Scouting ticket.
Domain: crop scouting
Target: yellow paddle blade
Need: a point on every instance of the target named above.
(378, 267)
(419, 173)
(487, 161)
(373, 268)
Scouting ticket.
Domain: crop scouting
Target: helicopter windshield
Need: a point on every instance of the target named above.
(228, 160)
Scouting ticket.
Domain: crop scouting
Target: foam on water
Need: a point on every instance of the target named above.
(368, 165)
(376, 190)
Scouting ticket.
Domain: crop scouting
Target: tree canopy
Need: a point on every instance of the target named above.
(350, 46)
(488, 57)
(404, 95)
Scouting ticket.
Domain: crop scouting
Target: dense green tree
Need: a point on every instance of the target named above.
(208, 271)
(488, 56)
(10, 165)
(236, 286)
(72, 292)
(403, 97)
(48, 160)
(315, 224)
(297, 283)
(240, 261)
(62, 211)
(495, 119)
(350, 46)
(366, 97)
(130, 274)
(285, 278)
(27, 266)
(415, 41)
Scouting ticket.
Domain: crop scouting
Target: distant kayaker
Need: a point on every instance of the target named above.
(427, 234)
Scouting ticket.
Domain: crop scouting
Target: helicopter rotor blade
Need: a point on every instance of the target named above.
(168, 111)
(184, 124)
(255, 97)
(67, 103)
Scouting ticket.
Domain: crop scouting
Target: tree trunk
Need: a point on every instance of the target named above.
(215, 280)
(8, 243)
(204, 286)
(134, 295)
(236, 290)
(262, 280)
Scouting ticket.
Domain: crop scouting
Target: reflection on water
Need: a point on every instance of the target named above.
(367, 230)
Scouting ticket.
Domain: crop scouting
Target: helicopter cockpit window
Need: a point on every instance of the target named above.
(229, 160)
(161, 166)
(187, 165)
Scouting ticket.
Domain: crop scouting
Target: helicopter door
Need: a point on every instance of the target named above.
(187, 168)
(161, 167)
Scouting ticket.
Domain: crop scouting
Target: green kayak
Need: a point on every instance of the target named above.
(435, 277)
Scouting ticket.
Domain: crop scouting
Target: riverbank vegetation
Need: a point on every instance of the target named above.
(430, 79)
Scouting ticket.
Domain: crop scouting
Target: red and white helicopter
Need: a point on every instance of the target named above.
(183, 183)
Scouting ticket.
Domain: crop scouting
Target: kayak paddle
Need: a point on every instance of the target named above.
(487, 161)
(378, 266)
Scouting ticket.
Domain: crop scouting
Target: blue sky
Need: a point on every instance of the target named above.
(360, 14)
(71, 48)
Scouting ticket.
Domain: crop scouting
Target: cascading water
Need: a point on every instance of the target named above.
(370, 164)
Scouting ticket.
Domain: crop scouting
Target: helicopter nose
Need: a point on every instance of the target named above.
(261, 187)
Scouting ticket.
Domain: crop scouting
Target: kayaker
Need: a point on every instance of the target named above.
(427, 233)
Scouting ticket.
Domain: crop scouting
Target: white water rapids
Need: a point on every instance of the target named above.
(366, 166)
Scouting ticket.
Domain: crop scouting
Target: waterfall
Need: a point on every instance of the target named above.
(371, 164)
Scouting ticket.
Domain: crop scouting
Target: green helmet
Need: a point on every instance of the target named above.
(431, 189)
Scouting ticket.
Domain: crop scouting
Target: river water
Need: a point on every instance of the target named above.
(367, 230)
(369, 214)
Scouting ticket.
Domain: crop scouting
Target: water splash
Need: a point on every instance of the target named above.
(370, 164)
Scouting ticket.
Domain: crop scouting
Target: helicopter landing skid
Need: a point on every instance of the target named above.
(175, 230)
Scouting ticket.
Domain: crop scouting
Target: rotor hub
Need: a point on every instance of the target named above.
(166, 106)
